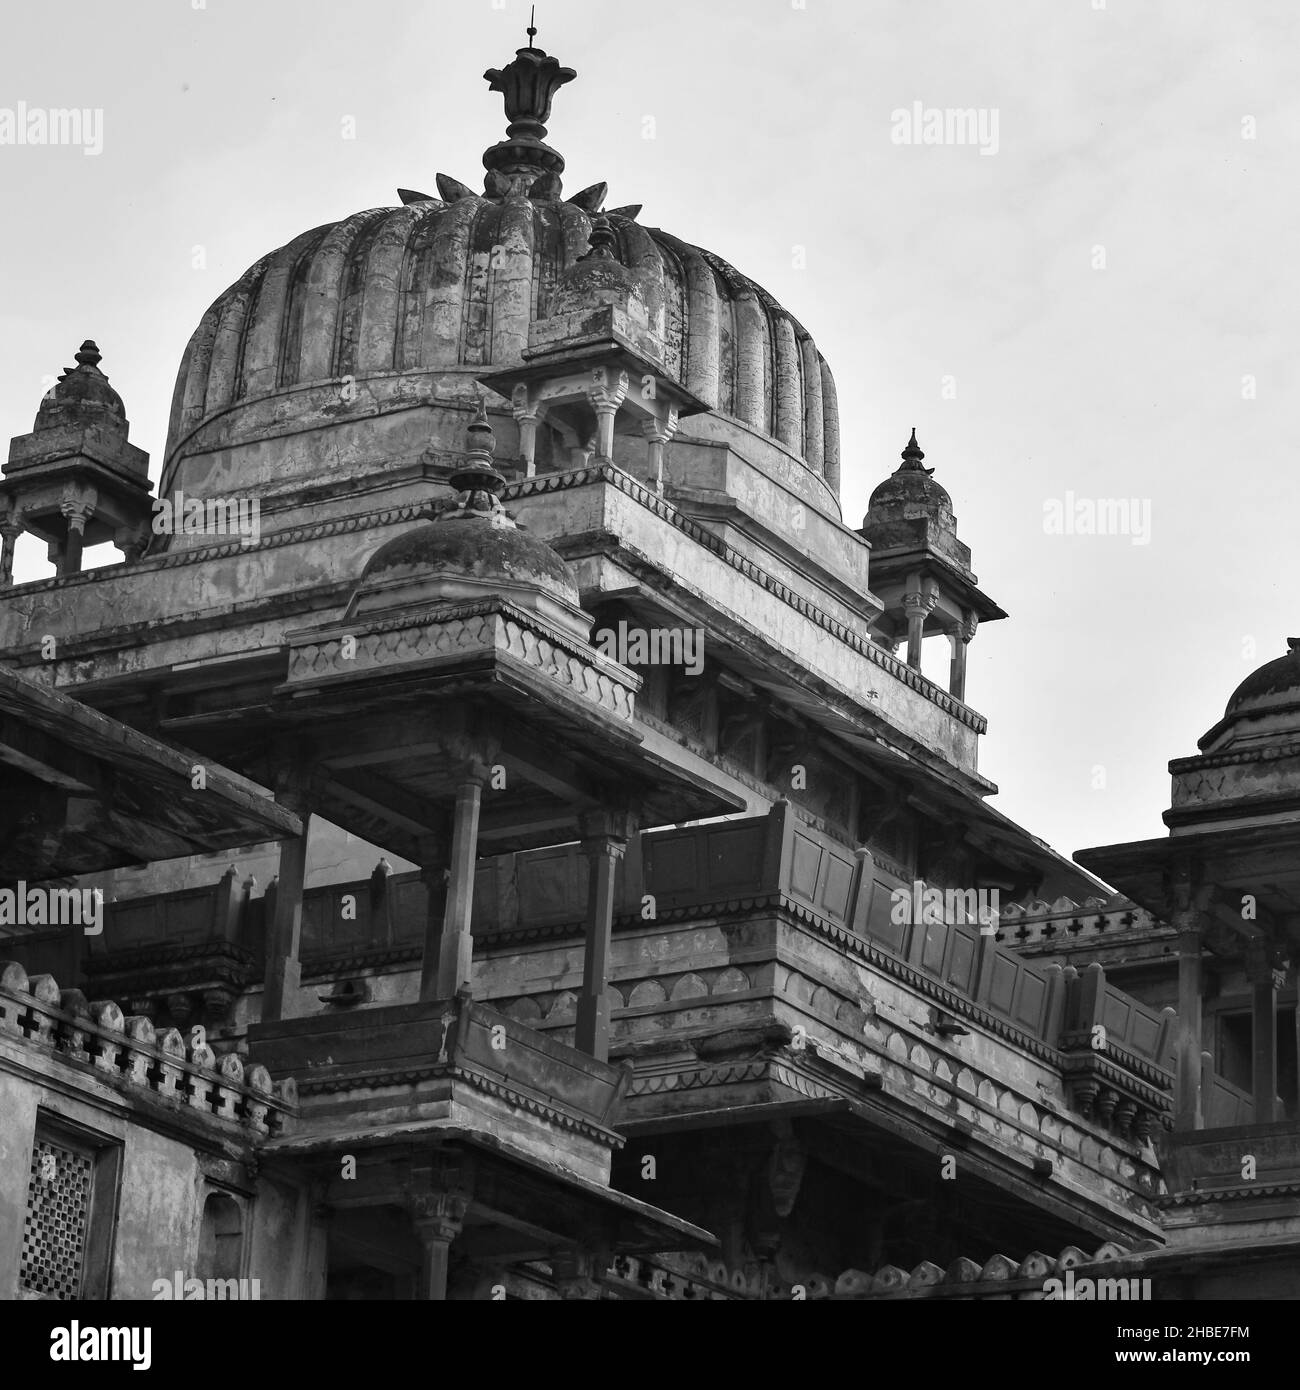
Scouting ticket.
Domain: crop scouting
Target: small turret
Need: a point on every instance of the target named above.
(75, 480)
(920, 570)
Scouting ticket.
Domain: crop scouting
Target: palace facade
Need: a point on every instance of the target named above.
(490, 821)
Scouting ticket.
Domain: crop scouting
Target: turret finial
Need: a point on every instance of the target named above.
(913, 458)
(603, 241)
(478, 474)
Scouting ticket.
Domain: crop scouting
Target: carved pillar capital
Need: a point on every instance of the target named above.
(132, 542)
(607, 391)
(919, 604)
(605, 827)
(1264, 964)
(525, 407)
(437, 1215)
(580, 1276)
(661, 431)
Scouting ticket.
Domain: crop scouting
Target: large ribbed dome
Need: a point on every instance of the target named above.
(450, 285)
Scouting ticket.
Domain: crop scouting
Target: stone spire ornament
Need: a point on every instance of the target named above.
(528, 84)
(913, 458)
(603, 241)
(477, 480)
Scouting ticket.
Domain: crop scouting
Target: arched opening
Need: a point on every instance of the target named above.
(221, 1238)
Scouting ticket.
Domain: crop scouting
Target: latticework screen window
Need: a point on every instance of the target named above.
(58, 1215)
(70, 1192)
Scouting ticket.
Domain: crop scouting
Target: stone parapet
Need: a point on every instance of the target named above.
(128, 1054)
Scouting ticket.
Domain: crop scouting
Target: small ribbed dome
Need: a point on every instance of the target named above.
(79, 387)
(1277, 682)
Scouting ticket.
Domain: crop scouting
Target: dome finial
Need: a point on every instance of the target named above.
(477, 474)
(528, 84)
(913, 458)
(603, 241)
(90, 355)
(480, 437)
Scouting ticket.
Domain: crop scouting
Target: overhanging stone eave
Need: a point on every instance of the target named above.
(228, 812)
(648, 1227)
(609, 349)
(883, 1113)
(900, 560)
(877, 1117)
(1138, 868)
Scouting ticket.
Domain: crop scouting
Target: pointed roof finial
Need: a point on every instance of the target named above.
(532, 26)
(478, 473)
(482, 441)
(603, 241)
(913, 458)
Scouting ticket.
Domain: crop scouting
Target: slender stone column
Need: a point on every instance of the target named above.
(660, 434)
(284, 930)
(604, 843)
(435, 861)
(1263, 1026)
(528, 415)
(918, 605)
(77, 514)
(10, 529)
(961, 639)
(454, 961)
(605, 398)
(957, 667)
(1188, 1111)
(438, 1218)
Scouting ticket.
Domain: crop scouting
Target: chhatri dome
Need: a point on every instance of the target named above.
(393, 309)
(475, 549)
(1265, 707)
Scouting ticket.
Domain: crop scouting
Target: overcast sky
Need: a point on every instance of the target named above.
(1102, 305)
